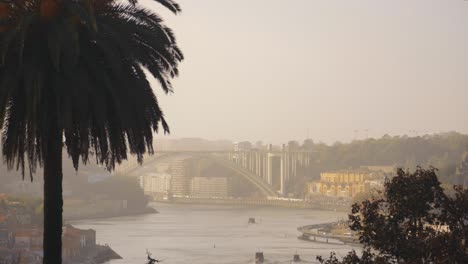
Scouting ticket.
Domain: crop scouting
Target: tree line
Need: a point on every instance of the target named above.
(445, 151)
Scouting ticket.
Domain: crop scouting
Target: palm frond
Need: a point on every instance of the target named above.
(169, 4)
(83, 71)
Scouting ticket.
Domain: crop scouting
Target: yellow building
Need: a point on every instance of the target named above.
(340, 184)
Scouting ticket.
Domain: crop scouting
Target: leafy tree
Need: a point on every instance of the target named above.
(73, 75)
(396, 224)
(352, 258)
(413, 222)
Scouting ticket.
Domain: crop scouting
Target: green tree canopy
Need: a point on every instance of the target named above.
(413, 221)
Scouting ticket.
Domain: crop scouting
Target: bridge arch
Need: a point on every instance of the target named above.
(263, 187)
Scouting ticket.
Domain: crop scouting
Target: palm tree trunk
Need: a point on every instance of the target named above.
(53, 201)
(48, 9)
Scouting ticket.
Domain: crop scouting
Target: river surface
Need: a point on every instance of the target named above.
(210, 234)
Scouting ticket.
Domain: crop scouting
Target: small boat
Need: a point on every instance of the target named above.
(296, 258)
(259, 258)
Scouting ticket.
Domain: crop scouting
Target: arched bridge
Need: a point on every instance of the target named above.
(259, 183)
(267, 171)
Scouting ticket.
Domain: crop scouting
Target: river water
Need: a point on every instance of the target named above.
(209, 234)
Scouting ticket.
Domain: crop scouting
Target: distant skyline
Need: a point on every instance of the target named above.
(162, 140)
(278, 70)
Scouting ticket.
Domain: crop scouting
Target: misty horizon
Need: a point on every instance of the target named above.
(233, 131)
(359, 137)
(318, 69)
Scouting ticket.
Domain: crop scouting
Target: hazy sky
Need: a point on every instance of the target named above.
(276, 69)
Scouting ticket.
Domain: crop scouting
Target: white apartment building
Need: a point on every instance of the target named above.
(154, 183)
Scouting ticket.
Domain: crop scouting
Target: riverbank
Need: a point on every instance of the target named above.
(96, 255)
(93, 213)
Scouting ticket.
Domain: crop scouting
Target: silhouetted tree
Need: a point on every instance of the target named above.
(413, 222)
(73, 73)
(352, 257)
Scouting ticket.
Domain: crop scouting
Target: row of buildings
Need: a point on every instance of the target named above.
(345, 184)
(280, 168)
(163, 184)
(348, 183)
(177, 181)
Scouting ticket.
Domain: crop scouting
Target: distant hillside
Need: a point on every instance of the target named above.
(444, 151)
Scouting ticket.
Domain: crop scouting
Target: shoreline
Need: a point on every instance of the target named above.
(99, 254)
(101, 215)
(314, 233)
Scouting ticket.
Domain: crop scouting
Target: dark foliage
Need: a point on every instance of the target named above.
(367, 257)
(80, 65)
(413, 221)
(73, 75)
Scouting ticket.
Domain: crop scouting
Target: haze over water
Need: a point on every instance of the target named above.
(212, 234)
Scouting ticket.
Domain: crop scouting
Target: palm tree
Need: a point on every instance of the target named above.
(73, 75)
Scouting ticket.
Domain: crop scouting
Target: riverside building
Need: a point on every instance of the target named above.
(156, 183)
(341, 183)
